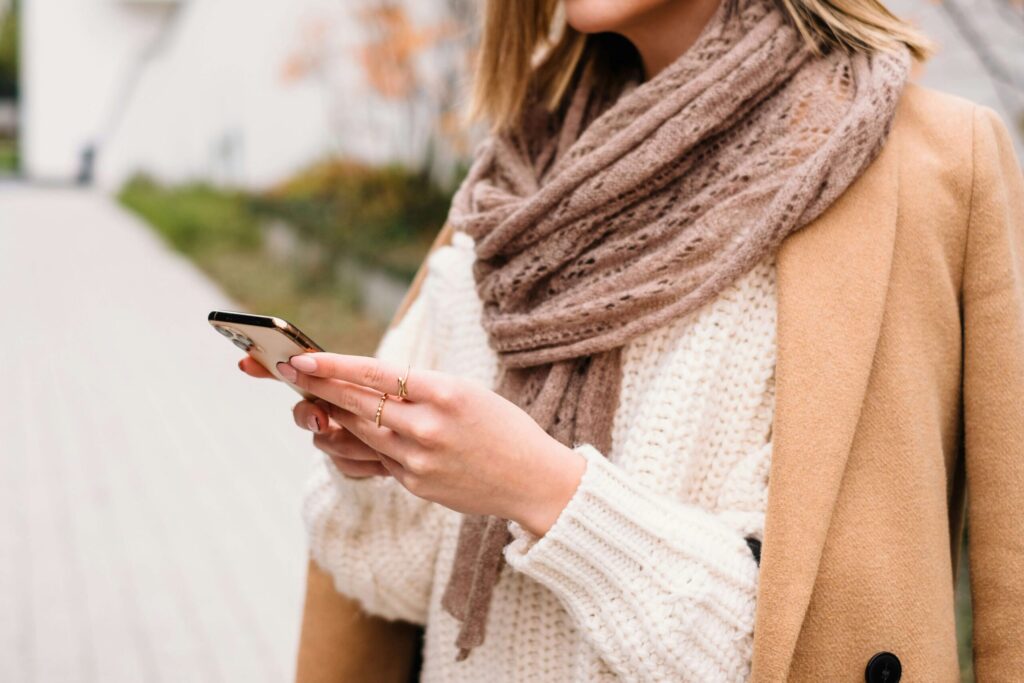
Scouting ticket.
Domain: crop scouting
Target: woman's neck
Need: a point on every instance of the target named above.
(668, 30)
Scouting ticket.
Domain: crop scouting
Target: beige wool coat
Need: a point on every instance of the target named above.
(899, 403)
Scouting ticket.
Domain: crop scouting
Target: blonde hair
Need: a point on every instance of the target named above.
(527, 43)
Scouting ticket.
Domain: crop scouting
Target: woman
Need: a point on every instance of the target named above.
(720, 279)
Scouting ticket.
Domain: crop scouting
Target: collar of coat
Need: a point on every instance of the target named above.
(824, 359)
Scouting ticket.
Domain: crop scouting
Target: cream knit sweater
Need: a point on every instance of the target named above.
(646, 575)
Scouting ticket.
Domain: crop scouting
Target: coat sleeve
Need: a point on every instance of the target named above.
(993, 397)
(376, 540)
(662, 590)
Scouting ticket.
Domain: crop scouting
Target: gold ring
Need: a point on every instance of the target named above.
(380, 407)
(402, 390)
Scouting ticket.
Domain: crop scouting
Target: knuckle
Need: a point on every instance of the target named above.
(355, 401)
(360, 405)
(419, 464)
(427, 432)
(373, 375)
(412, 482)
(449, 395)
(348, 399)
(444, 395)
(345, 400)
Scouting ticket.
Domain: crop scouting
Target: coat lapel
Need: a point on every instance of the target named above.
(832, 278)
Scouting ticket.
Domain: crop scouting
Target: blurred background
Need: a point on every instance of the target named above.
(163, 158)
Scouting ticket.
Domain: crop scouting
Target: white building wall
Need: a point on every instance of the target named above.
(214, 104)
(74, 56)
(212, 96)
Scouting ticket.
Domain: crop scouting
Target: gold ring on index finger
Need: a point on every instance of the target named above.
(380, 408)
(402, 389)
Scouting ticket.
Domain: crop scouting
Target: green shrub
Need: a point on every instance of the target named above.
(220, 231)
(194, 218)
(341, 210)
(381, 215)
(9, 52)
(8, 155)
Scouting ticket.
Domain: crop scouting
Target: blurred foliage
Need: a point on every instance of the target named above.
(410, 101)
(195, 218)
(8, 156)
(383, 216)
(9, 52)
(223, 234)
(389, 57)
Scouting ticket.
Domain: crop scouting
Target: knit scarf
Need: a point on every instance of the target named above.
(622, 211)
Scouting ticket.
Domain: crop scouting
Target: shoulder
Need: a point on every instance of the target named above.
(934, 130)
(940, 117)
(957, 169)
(951, 132)
(933, 111)
(944, 144)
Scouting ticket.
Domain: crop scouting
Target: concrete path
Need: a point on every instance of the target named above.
(149, 492)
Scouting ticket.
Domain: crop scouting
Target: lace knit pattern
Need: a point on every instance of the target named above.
(646, 575)
(627, 208)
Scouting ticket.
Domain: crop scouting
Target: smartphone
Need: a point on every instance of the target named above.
(267, 339)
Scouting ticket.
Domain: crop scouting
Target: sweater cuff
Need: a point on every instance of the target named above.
(358, 487)
(613, 528)
(327, 489)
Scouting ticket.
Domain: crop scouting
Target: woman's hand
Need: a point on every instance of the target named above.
(352, 457)
(451, 440)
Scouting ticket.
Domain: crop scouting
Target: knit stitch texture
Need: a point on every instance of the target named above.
(645, 576)
(628, 208)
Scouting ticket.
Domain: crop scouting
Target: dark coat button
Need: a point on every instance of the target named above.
(884, 667)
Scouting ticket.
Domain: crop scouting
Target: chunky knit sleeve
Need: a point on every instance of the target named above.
(660, 589)
(377, 540)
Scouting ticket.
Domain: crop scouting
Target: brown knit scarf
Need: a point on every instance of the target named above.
(625, 210)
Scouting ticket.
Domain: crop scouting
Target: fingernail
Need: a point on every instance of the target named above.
(287, 371)
(240, 366)
(314, 423)
(303, 363)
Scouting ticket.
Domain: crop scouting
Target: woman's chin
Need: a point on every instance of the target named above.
(599, 16)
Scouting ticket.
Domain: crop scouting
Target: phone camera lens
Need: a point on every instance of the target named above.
(239, 339)
(242, 341)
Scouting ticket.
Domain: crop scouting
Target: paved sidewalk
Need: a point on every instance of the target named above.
(149, 492)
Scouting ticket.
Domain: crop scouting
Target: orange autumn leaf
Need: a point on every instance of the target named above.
(389, 59)
(311, 52)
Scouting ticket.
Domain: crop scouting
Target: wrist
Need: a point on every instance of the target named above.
(552, 487)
